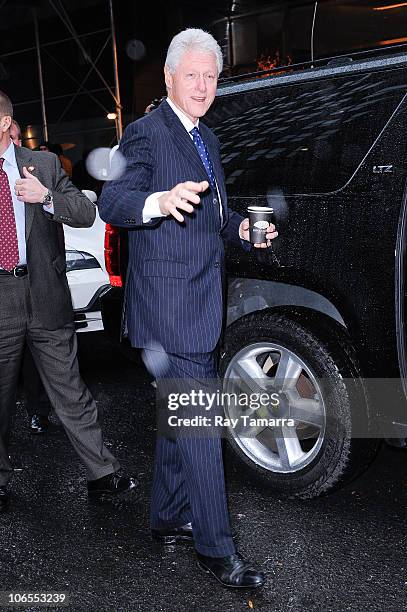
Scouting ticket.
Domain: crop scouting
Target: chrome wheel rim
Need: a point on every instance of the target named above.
(272, 368)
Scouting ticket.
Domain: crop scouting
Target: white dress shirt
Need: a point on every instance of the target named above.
(151, 208)
(13, 174)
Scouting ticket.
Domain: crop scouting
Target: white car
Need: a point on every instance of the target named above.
(86, 272)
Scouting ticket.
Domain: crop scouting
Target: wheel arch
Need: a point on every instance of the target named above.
(249, 295)
(310, 309)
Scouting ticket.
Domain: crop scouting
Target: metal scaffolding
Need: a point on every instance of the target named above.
(41, 49)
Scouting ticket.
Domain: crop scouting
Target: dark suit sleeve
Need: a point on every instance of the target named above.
(122, 201)
(71, 206)
(230, 231)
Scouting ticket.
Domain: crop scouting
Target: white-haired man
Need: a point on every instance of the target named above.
(173, 195)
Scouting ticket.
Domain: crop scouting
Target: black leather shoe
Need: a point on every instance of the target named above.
(111, 485)
(232, 571)
(4, 499)
(38, 424)
(174, 535)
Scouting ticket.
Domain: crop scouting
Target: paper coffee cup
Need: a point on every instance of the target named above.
(259, 218)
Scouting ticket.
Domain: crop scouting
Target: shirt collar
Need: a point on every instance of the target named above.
(10, 155)
(186, 121)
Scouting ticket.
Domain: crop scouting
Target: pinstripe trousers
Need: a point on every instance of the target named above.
(54, 353)
(189, 482)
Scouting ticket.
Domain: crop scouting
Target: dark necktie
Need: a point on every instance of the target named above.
(8, 232)
(204, 155)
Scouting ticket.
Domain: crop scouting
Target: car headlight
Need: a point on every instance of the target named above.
(80, 260)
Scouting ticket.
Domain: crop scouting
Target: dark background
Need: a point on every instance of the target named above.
(254, 34)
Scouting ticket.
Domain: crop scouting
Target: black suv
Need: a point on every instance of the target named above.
(321, 316)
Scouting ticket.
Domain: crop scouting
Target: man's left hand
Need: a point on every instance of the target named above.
(244, 234)
(29, 189)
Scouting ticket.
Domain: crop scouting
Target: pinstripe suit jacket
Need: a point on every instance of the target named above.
(174, 283)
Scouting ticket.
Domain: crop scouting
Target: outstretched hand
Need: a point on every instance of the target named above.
(183, 196)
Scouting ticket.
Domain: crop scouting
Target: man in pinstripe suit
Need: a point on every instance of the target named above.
(172, 198)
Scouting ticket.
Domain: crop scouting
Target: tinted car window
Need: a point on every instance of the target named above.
(304, 137)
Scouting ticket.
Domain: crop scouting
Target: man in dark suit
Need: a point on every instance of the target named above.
(36, 197)
(173, 200)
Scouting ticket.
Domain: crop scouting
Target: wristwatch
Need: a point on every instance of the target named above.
(47, 200)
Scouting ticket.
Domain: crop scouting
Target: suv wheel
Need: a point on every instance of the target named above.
(319, 388)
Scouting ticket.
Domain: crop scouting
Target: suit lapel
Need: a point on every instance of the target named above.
(23, 158)
(182, 139)
(186, 146)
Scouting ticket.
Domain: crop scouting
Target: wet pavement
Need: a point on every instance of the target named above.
(346, 551)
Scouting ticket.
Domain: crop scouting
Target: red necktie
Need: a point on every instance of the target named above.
(8, 232)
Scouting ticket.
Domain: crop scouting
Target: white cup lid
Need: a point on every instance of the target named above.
(262, 209)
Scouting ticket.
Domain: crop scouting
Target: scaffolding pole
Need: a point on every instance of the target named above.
(119, 122)
(37, 44)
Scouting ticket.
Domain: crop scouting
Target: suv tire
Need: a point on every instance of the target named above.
(320, 454)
